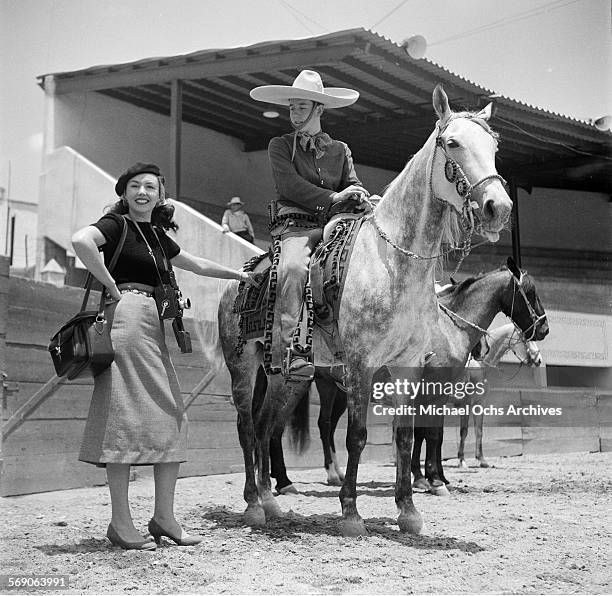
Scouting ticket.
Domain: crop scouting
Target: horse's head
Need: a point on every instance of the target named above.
(522, 304)
(463, 170)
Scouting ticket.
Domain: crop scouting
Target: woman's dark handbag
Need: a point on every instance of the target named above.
(83, 347)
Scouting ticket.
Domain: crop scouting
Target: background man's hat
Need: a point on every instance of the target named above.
(234, 201)
(307, 85)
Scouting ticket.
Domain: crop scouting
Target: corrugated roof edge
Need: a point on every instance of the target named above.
(366, 35)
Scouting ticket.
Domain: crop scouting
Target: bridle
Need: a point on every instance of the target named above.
(453, 173)
(535, 318)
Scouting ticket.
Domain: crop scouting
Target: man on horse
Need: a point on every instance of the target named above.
(314, 178)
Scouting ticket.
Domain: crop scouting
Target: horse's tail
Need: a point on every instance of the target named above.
(299, 424)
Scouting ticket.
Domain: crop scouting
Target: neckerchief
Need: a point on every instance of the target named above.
(316, 143)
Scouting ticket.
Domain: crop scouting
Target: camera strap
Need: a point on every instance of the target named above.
(150, 250)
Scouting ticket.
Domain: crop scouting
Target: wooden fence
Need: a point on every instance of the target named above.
(43, 422)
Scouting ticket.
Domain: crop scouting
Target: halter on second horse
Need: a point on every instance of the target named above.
(535, 318)
(453, 173)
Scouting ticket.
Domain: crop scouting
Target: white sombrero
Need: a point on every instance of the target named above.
(307, 85)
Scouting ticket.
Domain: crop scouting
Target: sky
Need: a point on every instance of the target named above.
(554, 54)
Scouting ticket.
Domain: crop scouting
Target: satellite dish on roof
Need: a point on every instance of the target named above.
(603, 123)
(415, 46)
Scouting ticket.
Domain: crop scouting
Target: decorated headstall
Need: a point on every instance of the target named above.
(454, 173)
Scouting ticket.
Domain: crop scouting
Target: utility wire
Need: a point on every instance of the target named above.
(508, 20)
(389, 14)
(550, 142)
(296, 17)
(297, 12)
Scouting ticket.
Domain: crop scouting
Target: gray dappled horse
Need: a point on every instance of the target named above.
(468, 308)
(388, 308)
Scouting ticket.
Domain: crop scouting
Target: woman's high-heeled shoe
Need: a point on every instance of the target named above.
(116, 540)
(157, 532)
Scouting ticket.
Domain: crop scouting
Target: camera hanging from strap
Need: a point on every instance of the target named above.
(168, 297)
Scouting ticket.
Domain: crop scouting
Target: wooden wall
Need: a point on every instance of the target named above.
(41, 455)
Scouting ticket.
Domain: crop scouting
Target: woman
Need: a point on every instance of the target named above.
(237, 221)
(137, 415)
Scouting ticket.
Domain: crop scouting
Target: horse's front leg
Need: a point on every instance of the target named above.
(337, 411)
(327, 389)
(356, 436)
(419, 481)
(433, 461)
(463, 432)
(478, 430)
(409, 519)
(278, 471)
(439, 454)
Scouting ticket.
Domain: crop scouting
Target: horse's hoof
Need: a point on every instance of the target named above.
(271, 508)
(462, 463)
(439, 491)
(288, 490)
(334, 481)
(254, 516)
(483, 464)
(421, 484)
(411, 523)
(351, 528)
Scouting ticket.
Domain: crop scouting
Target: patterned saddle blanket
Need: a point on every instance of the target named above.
(327, 273)
(251, 302)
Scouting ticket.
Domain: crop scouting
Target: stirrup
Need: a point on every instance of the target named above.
(297, 368)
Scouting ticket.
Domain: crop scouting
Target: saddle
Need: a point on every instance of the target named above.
(255, 305)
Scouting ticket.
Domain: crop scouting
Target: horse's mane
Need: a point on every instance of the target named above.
(457, 288)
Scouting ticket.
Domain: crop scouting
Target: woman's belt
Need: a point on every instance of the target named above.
(136, 288)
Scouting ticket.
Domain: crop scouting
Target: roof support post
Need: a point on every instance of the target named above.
(176, 122)
(516, 232)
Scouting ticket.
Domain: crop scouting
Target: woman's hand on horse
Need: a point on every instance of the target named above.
(248, 277)
(353, 191)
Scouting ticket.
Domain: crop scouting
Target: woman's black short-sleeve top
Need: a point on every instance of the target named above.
(135, 264)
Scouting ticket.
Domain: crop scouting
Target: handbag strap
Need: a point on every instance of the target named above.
(111, 266)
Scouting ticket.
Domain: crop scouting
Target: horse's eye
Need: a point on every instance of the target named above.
(452, 144)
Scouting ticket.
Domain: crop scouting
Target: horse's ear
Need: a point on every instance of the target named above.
(440, 103)
(486, 112)
(513, 268)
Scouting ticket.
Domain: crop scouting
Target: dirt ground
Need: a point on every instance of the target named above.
(534, 524)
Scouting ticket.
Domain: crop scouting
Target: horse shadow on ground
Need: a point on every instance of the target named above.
(87, 545)
(367, 488)
(293, 526)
